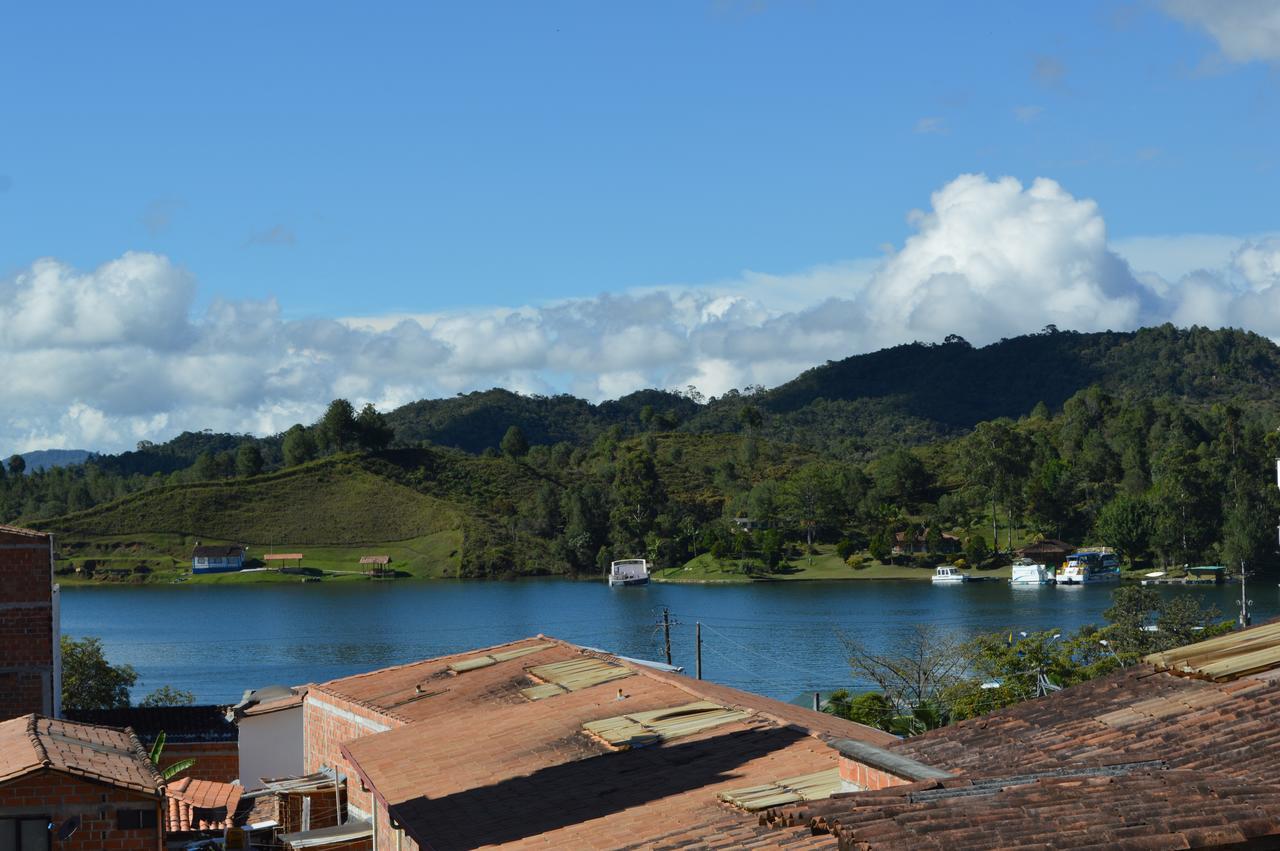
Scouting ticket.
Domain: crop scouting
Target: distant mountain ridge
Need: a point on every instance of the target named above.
(43, 459)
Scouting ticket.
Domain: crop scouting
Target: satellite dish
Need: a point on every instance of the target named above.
(69, 827)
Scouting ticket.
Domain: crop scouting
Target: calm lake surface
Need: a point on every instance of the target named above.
(779, 639)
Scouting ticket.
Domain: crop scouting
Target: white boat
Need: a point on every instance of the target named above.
(629, 571)
(948, 575)
(1029, 572)
(1087, 567)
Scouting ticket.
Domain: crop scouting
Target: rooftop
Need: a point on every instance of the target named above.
(542, 741)
(18, 531)
(200, 805)
(217, 550)
(1146, 757)
(178, 723)
(33, 743)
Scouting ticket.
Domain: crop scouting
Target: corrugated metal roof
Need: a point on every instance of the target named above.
(647, 728)
(348, 832)
(562, 677)
(1226, 657)
(788, 790)
(474, 662)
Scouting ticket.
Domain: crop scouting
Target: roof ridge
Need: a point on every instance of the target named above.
(33, 733)
(21, 530)
(146, 758)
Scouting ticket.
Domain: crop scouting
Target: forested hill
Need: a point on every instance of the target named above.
(907, 394)
(1157, 442)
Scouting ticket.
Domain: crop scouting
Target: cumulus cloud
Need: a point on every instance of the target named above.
(106, 357)
(1245, 30)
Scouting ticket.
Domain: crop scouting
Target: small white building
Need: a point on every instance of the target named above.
(271, 745)
(223, 558)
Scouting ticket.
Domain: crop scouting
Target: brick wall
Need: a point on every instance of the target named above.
(58, 797)
(218, 761)
(27, 628)
(330, 722)
(388, 837)
(866, 776)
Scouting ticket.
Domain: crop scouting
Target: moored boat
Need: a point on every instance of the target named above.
(1087, 567)
(1030, 572)
(948, 575)
(628, 571)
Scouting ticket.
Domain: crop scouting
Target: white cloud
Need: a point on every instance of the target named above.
(1027, 113)
(103, 358)
(1245, 30)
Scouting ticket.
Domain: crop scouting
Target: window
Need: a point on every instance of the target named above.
(135, 819)
(24, 833)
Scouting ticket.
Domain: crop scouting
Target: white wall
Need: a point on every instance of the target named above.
(270, 746)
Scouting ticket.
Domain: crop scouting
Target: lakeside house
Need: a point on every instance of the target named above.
(918, 543)
(1047, 551)
(219, 558)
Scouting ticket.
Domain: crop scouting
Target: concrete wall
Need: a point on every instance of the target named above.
(58, 797)
(271, 745)
(29, 673)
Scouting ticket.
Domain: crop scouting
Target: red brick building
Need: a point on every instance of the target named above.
(545, 743)
(76, 787)
(30, 660)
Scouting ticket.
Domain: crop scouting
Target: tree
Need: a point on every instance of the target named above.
(89, 681)
(373, 433)
(167, 695)
(338, 426)
(809, 497)
(1124, 524)
(513, 443)
(248, 460)
(17, 465)
(913, 676)
(205, 468)
(299, 447)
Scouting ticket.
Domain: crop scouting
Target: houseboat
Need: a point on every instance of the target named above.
(1086, 567)
(1030, 572)
(948, 575)
(629, 571)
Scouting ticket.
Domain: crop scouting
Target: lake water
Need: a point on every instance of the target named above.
(779, 639)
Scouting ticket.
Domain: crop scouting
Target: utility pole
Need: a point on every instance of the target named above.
(666, 631)
(697, 631)
(1245, 618)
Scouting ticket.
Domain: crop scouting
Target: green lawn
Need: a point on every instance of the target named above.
(826, 565)
(433, 556)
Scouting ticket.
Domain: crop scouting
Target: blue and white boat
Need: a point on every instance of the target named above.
(628, 571)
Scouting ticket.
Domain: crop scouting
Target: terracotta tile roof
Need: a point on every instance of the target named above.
(1233, 727)
(21, 532)
(375, 559)
(1139, 809)
(178, 723)
(114, 757)
(200, 805)
(479, 763)
(1219, 741)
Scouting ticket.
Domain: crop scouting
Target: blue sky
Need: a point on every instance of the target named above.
(465, 160)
